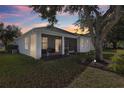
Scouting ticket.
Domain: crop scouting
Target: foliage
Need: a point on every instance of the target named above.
(120, 44)
(8, 33)
(48, 12)
(120, 52)
(117, 64)
(117, 34)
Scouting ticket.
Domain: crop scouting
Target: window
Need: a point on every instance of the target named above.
(57, 45)
(26, 43)
(44, 43)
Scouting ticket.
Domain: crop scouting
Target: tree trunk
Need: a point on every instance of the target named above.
(98, 49)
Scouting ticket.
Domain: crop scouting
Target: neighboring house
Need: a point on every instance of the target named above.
(44, 41)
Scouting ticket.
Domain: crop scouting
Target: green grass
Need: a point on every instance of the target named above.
(22, 71)
(120, 52)
(109, 53)
(96, 78)
(2, 49)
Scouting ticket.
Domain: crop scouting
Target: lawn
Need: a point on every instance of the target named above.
(2, 49)
(109, 53)
(96, 78)
(22, 71)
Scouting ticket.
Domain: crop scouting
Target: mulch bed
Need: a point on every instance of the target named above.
(99, 65)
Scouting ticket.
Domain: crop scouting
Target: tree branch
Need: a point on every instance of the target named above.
(113, 19)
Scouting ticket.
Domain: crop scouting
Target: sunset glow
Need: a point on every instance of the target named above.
(26, 19)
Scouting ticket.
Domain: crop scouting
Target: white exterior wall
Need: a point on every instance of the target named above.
(34, 50)
(21, 44)
(84, 44)
(38, 46)
(34, 45)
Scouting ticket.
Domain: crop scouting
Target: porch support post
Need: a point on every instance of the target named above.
(63, 45)
(38, 46)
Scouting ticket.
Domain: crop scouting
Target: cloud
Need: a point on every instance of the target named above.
(71, 28)
(27, 28)
(21, 11)
(104, 8)
(75, 29)
(6, 15)
(12, 23)
(22, 8)
(66, 14)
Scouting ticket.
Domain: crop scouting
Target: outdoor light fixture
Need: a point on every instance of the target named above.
(48, 8)
(94, 61)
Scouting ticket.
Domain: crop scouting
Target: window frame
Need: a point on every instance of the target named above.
(45, 43)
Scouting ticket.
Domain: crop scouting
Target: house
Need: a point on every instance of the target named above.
(46, 41)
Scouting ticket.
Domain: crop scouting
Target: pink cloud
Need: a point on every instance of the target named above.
(16, 14)
(23, 8)
(6, 15)
(13, 23)
(27, 20)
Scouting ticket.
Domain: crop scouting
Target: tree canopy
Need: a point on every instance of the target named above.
(8, 33)
(116, 34)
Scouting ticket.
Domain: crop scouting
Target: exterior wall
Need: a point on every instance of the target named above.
(34, 50)
(38, 45)
(84, 44)
(33, 45)
(21, 44)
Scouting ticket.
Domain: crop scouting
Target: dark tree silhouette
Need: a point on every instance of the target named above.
(116, 34)
(8, 33)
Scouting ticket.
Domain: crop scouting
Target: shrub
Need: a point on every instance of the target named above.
(117, 64)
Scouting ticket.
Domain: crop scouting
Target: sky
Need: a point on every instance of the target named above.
(26, 18)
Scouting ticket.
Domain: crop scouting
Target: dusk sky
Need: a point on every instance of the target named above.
(24, 17)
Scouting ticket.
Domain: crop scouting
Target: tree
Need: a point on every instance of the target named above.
(8, 33)
(116, 34)
(90, 16)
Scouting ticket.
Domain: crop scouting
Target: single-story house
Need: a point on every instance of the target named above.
(46, 41)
